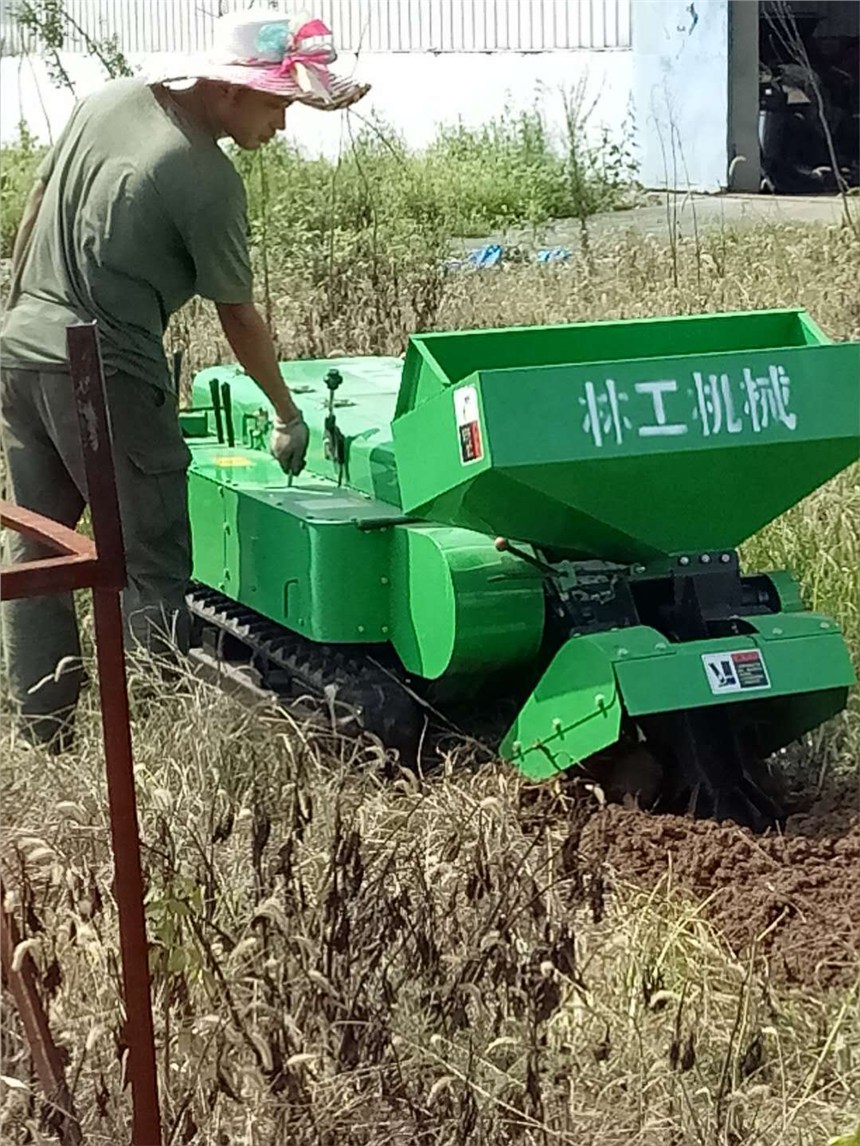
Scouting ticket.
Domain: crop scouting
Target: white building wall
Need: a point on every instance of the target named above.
(359, 25)
(429, 61)
(681, 92)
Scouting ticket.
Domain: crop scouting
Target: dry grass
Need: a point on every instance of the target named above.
(632, 275)
(343, 960)
(340, 959)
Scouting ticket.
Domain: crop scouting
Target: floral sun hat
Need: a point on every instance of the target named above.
(269, 51)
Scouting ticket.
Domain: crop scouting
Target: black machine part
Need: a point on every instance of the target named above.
(335, 442)
(707, 759)
(361, 694)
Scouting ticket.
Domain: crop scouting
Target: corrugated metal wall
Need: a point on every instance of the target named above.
(359, 25)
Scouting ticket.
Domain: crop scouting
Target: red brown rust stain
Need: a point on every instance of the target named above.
(799, 889)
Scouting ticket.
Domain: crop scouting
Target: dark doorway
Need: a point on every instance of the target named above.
(809, 96)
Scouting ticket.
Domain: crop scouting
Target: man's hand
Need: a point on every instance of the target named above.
(289, 443)
(252, 344)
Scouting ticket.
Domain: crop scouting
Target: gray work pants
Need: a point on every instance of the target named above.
(44, 473)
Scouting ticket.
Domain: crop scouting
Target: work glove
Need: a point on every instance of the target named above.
(289, 444)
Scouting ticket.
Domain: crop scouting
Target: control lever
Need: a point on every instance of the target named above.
(335, 442)
(216, 406)
(227, 399)
(502, 545)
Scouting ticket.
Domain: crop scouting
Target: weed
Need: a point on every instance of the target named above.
(18, 166)
(341, 959)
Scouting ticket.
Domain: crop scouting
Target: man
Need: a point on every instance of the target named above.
(135, 210)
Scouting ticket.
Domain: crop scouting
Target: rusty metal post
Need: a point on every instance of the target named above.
(101, 566)
(88, 383)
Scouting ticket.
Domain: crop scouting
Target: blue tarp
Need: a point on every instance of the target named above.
(493, 255)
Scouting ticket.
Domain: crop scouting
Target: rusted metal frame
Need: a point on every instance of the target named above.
(52, 575)
(52, 533)
(107, 578)
(77, 567)
(22, 982)
(88, 383)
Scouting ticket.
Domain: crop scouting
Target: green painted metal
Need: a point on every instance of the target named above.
(445, 598)
(788, 590)
(284, 550)
(630, 442)
(782, 720)
(574, 711)
(436, 361)
(627, 456)
(459, 606)
(194, 423)
(364, 407)
(797, 652)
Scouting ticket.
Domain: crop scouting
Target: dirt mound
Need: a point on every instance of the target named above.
(796, 893)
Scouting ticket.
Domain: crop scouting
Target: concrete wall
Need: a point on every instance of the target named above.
(681, 91)
(743, 149)
(414, 92)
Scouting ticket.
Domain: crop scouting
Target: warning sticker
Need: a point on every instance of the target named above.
(742, 671)
(468, 424)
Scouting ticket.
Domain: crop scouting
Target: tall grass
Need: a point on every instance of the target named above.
(342, 960)
(18, 165)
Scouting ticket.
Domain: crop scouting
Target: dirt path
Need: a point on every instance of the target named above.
(659, 214)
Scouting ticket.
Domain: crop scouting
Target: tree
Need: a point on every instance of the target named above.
(49, 25)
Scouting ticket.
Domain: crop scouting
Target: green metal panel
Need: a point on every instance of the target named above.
(364, 408)
(788, 590)
(791, 675)
(303, 555)
(206, 511)
(297, 554)
(458, 606)
(782, 720)
(801, 652)
(194, 423)
(437, 361)
(629, 460)
(574, 711)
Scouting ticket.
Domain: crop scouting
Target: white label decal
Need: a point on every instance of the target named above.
(468, 424)
(741, 671)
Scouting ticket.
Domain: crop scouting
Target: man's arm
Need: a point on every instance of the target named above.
(25, 229)
(252, 344)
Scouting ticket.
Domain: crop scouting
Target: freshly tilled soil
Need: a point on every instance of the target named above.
(795, 895)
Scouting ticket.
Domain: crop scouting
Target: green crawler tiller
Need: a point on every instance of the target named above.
(549, 513)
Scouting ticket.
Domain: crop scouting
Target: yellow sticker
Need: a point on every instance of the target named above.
(232, 461)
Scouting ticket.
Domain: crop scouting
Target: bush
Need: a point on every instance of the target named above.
(18, 165)
(470, 181)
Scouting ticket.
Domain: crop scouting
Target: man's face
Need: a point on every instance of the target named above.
(251, 118)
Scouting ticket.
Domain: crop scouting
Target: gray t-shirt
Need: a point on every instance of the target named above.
(142, 210)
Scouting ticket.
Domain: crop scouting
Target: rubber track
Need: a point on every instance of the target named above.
(373, 697)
